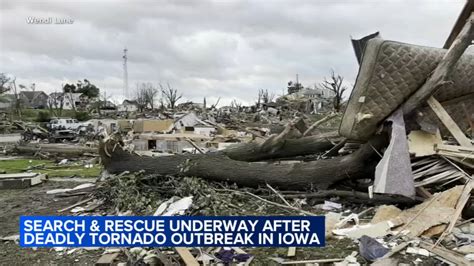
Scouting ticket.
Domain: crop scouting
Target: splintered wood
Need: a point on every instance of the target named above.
(448, 122)
(438, 210)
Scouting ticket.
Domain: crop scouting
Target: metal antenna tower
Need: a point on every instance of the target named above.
(125, 74)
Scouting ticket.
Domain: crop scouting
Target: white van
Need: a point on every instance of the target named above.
(64, 123)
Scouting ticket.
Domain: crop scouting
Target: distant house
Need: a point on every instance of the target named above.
(190, 122)
(68, 101)
(190, 106)
(128, 106)
(316, 93)
(75, 100)
(34, 99)
(205, 130)
(107, 105)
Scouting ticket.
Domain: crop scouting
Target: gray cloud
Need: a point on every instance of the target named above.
(225, 49)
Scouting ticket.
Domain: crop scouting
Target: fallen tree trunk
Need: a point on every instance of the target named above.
(63, 149)
(219, 167)
(284, 148)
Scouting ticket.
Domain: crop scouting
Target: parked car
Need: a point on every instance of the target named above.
(61, 136)
(64, 124)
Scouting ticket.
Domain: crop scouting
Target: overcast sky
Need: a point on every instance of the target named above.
(225, 49)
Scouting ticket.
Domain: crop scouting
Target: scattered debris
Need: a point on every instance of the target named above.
(20, 180)
(371, 249)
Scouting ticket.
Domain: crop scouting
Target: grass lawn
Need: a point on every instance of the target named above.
(49, 167)
(30, 115)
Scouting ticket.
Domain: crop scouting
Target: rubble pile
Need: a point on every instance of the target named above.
(394, 182)
(142, 194)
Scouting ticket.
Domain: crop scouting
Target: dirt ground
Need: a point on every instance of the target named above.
(35, 201)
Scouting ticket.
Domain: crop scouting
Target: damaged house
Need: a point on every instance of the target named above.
(128, 106)
(34, 99)
(172, 135)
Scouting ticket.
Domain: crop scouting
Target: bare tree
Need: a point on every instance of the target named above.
(259, 99)
(266, 96)
(5, 83)
(171, 95)
(146, 95)
(56, 104)
(17, 105)
(214, 106)
(237, 105)
(140, 98)
(335, 85)
(151, 92)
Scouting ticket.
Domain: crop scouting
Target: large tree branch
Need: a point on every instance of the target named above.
(442, 72)
(286, 148)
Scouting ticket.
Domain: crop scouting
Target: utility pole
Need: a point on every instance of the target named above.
(125, 74)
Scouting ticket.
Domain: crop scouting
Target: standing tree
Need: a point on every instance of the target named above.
(335, 85)
(294, 87)
(146, 95)
(55, 104)
(17, 101)
(140, 98)
(4, 83)
(171, 95)
(84, 87)
(266, 96)
(237, 105)
(87, 88)
(151, 92)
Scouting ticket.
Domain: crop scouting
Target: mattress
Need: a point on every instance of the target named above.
(390, 72)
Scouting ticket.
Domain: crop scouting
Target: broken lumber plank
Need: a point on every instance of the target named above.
(194, 145)
(462, 156)
(446, 254)
(424, 192)
(107, 259)
(357, 197)
(448, 122)
(75, 204)
(291, 252)
(396, 249)
(461, 161)
(455, 148)
(442, 72)
(463, 198)
(187, 257)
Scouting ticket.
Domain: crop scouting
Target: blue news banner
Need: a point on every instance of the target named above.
(172, 231)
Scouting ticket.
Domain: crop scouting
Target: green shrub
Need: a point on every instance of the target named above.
(43, 116)
(82, 116)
